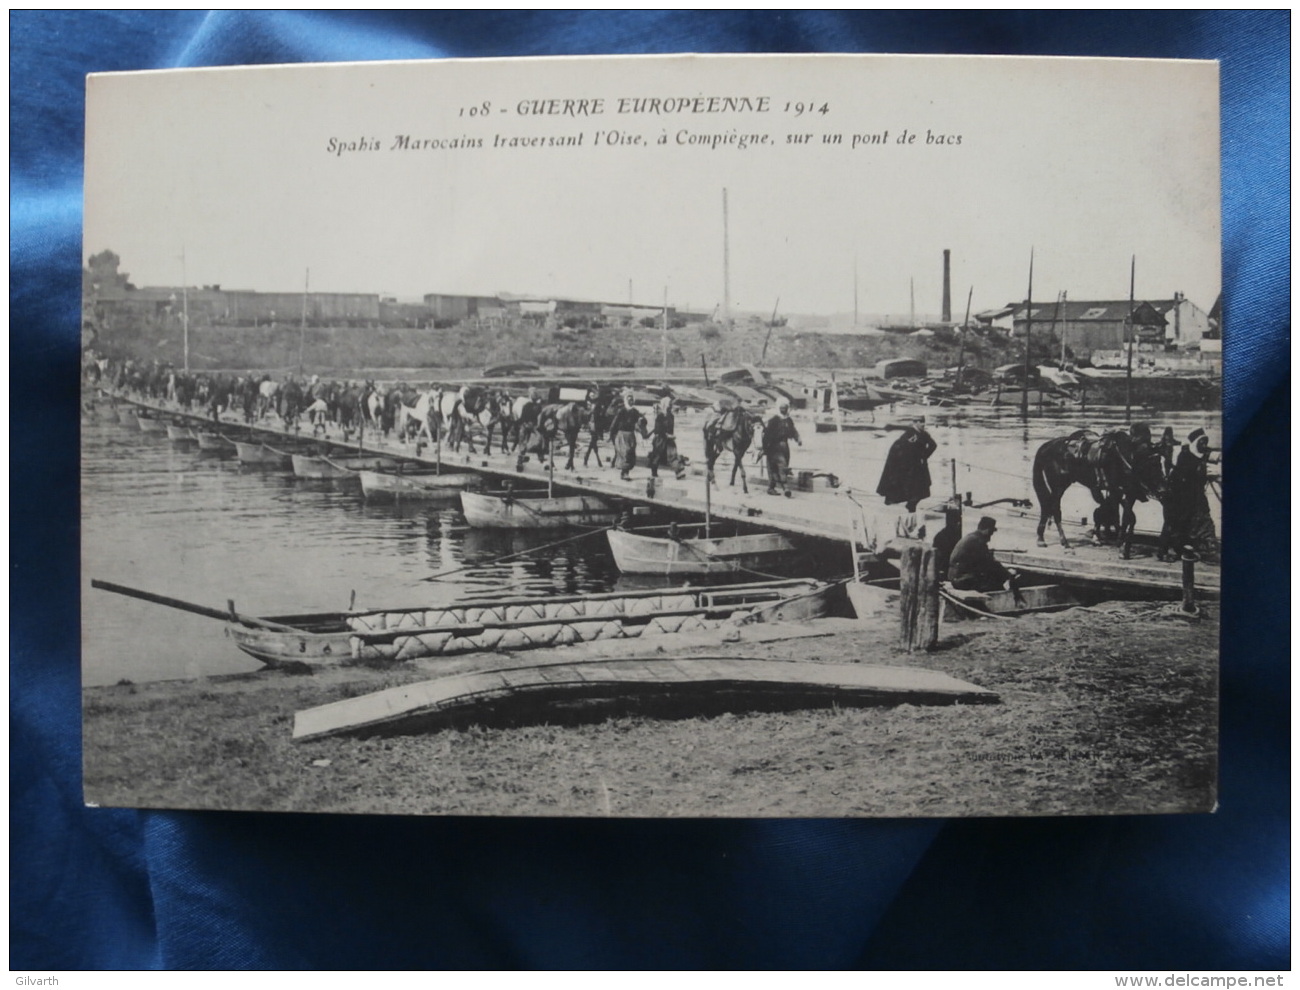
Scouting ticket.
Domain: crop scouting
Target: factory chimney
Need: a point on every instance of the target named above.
(947, 286)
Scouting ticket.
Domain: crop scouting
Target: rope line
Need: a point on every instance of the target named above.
(521, 553)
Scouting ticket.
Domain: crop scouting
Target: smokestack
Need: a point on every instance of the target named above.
(947, 286)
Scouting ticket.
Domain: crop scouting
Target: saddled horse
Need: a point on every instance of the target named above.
(560, 419)
(732, 430)
(1117, 470)
(462, 411)
(420, 419)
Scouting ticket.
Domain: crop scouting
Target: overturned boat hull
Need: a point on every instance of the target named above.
(656, 686)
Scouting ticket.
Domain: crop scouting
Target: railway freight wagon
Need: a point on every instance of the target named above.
(317, 309)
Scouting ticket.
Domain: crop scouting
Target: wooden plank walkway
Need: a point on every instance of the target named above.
(826, 514)
(656, 685)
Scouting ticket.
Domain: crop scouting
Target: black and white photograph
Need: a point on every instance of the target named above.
(647, 437)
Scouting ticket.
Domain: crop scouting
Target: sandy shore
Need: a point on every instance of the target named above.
(1105, 710)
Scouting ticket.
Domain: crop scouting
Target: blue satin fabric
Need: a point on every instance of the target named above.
(109, 888)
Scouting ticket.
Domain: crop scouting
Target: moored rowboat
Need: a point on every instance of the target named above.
(180, 434)
(416, 485)
(250, 452)
(644, 553)
(213, 441)
(533, 510)
(340, 468)
(149, 424)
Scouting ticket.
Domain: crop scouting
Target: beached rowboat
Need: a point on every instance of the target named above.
(390, 635)
(654, 552)
(416, 485)
(533, 510)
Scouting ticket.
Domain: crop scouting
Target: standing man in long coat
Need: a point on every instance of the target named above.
(778, 431)
(663, 441)
(622, 432)
(906, 477)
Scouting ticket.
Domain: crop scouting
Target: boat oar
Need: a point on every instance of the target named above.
(230, 615)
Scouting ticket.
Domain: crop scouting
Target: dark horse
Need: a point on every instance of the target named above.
(1117, 469)
(560, 419)
(733, 430)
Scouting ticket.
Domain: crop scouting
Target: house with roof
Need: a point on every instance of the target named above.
(1101, 325)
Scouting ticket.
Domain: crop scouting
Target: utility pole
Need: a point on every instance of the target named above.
(185, 311)
(1029, 326)
(1128, 371)
(302, 325)
(665, 328)
(855, 292)
(726, 264)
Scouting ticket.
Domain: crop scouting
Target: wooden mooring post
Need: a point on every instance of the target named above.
(1189, 582)
(918, 599)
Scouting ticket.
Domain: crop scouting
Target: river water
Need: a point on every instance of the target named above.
(199, 527)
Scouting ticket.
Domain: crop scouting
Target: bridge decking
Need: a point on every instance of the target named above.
(826, 514)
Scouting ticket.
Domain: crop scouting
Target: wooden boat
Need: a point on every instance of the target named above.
(958, 605)
(657, 552)
(659, 686)
(262, 454)
(213, 441)
(127, 417)
(390, 635)
(344, 468)
(151, 424)
(416, 484)
(825, 423)
(533, 510)
(180, 434)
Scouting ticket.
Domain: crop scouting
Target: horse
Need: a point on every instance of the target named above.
(421, 417)
(1117, 470)
(565, 419)
(266, 400)
(495, 413)
(459, 411)
(733, 430)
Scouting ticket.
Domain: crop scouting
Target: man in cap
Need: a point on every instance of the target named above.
(778, 431)
(973, 567)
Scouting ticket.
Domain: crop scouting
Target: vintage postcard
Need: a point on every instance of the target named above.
(655, 436)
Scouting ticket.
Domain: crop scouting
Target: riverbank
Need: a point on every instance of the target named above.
(344, 350)
(1105, 710)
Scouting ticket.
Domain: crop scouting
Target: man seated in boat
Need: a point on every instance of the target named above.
(973, 567)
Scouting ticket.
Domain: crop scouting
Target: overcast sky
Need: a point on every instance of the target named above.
(1087, 162)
